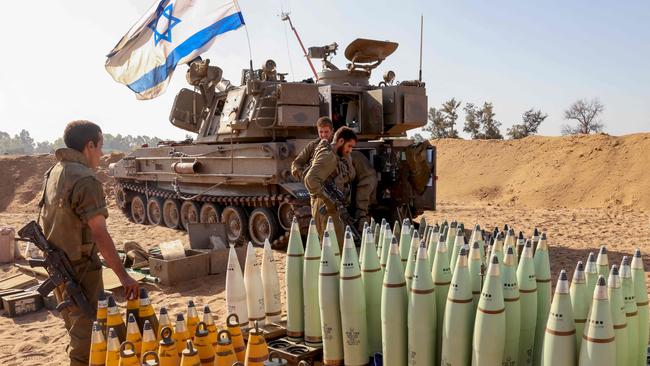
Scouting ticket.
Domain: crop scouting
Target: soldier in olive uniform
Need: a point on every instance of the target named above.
(74, 220)
(363, 187)
(301, 163)
(331, 162)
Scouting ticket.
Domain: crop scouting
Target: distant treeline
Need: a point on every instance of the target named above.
(24, 144)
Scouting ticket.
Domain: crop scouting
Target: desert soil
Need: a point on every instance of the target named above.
(584, 191)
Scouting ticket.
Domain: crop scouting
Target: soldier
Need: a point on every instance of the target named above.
(331, 162)
(74, 220)
(301, 163)
(363, 187)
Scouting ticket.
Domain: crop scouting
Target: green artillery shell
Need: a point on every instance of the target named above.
(394, 309)
(441, 274)
(330, 311)
(458, 322)
(641, 295)
(385, 249)
(254, 288)
(379, 237)
(475, 264)
(535, 237)
(432, 245)
(412, 258)
(293, 281)
(635, 346)
(489, 337)
(423, 226)
(510, 240)
(511, 299)
(497, 247)
(271, 284)
(373, 223)
(528, 301)
(477, 236)
(405, 242)
(397, 231)
(616, 304)
(455, 250)
(235, 289)
(559, 347)
(544, 294)
(364, 233)
(353, 307)
(427, 234)
(580, 302)
(311, 266)
(372, 277)
(598, 347)
(591, 272)
(422, 313)
(335, 243)
(602, 262)
(520, 245)
(451, 239)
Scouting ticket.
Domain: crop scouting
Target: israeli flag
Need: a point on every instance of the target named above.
(172, 32)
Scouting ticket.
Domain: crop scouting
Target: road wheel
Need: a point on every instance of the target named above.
(285, 215)
(154, 211)
(189, 213)
(138, 210)
(171, 213)
(262, 224)
(236, 224)
(120, 197)
(210, 214)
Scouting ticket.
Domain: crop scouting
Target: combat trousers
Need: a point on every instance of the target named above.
(321, 221)
(78, 324)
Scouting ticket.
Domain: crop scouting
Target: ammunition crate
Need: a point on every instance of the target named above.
(5, 293)
(22, 303)
(295, 352)
(219, 259)
(195, 264)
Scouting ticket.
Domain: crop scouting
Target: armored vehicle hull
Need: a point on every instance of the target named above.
(237, 170)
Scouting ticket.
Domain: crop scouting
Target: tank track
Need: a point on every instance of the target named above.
(301, 208)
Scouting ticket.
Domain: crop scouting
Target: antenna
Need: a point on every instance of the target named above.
(285, 17)
(421, 35)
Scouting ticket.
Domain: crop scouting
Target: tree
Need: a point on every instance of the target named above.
(530, 121)
(587, 114)
(480, 123)
(442, 121)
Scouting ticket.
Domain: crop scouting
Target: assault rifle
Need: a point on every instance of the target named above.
(331, 192)
(59, 269)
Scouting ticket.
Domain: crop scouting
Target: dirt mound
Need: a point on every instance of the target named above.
(21, 179)
(570, 171)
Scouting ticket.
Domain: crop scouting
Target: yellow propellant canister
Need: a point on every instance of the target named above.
(112, 349)
(133, 335)
(190, 355)
(114, 319)
(192, 318)
(149, 341)
(128, 356)
(203, 345)
(102, 308)
(208, 319)
(167, 352)
(225, 353)
(97, 346)
(150, 359)
(236, 337)
(163, 321)
(257, 351)
(181, 334)
(146, 312)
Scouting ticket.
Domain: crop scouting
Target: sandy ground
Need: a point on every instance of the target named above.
(584, 192)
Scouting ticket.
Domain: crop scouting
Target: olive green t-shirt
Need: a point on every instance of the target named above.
(72, 195)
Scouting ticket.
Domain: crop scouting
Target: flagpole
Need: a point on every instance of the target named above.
(248, 39)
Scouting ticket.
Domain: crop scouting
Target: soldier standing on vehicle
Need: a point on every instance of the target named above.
(331, 162)
(301, 163)
(74, 220)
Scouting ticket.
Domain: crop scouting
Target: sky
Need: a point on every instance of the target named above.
(516, 54)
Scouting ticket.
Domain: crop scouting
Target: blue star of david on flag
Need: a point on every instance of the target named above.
(172, 21)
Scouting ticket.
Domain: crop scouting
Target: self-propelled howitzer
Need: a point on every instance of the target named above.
(237, 170)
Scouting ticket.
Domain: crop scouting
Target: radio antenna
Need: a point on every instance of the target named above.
(421, 35)
(285, 16)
